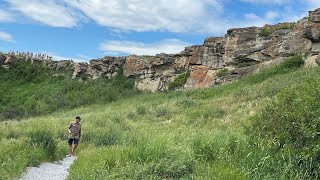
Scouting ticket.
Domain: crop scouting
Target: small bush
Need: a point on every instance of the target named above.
(117, 118)
(35, 156)
(291, 119)
(12, 135)
(222, 73)
(131, 115)
(292, 62)
(205, 149)
(45, 140)
(62, 134)
(160, 112)
(269, 31)
(141, 110)
(266, 32)
(179, 81)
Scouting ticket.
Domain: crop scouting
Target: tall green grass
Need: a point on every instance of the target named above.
(30, 90)
(242, 130)
(18, 153)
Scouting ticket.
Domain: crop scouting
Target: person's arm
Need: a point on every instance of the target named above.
(80, 133)
(70, 125)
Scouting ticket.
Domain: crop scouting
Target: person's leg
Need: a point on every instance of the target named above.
(76, 142)
(70, 149)
(74, 148)
(70, 146)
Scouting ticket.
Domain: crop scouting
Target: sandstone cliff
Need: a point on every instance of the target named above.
(239, 52)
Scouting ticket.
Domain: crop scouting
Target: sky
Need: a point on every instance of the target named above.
(82, 30)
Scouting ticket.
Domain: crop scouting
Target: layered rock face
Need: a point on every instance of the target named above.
(240, 52)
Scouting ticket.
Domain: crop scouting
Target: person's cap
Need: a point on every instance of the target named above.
(78, 117)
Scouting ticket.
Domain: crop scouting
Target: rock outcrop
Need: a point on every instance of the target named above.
(240, 52)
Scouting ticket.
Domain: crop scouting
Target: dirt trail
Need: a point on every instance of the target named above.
(49, 171)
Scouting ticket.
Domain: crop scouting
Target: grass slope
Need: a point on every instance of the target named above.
(234, 131)
(29, 90)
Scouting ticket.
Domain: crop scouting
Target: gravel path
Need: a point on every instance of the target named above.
(49, 171)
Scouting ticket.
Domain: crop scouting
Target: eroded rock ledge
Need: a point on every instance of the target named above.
(239, 52)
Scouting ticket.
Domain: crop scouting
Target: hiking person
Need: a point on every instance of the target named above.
(74, 130)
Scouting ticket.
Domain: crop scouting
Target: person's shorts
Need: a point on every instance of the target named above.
(73, 140)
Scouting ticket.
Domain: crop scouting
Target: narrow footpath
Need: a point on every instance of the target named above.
(49, 171)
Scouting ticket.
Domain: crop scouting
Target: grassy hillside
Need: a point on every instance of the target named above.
(27, 90)
(265, 126)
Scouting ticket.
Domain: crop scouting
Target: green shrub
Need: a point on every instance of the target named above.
(266, 32)
(179, 81)
(223, 72)
(45, 140)
(35, 156)
(161, 112)
(292, 62)
(117, 118)
(13, 135)
(131, 115)
(291, 119)
(141, 110)
(205, 149)
(269, 31)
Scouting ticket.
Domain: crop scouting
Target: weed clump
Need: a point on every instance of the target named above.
(45, 140)
(222, 73)
(179, 81)
(267, 31)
